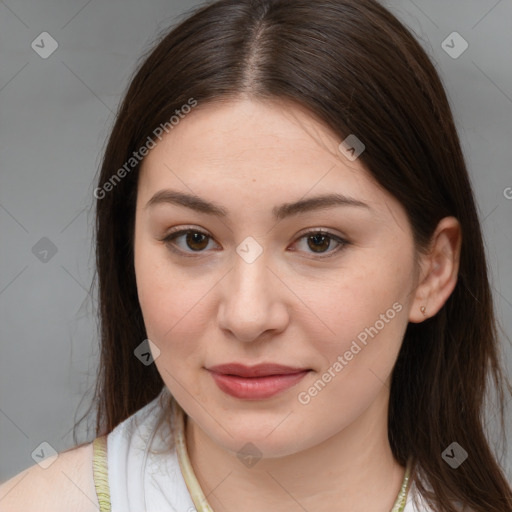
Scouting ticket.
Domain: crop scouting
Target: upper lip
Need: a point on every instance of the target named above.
(258, 370)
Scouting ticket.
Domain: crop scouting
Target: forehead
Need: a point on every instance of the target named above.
(243, 153)
(277, 142)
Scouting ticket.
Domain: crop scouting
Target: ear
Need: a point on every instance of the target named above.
(439, 270)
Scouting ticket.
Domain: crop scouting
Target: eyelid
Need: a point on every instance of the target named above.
(168, 238)
(324, 231)
(185, 229)
(182, 230)
(339, 239)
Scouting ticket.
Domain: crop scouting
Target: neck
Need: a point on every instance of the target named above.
(354, 471)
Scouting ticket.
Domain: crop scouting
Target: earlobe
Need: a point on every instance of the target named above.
(442, 267)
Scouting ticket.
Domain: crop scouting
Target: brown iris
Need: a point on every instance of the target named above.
(196, 238)
(319, 238)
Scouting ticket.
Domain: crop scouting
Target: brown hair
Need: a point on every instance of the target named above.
(355, 67)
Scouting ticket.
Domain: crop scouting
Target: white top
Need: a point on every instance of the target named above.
(140, 479)
(146, 480)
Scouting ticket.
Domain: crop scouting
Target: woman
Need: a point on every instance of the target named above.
(295, 307)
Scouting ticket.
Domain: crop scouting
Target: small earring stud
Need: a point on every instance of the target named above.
(423, 309)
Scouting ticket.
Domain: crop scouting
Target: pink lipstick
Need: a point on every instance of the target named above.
(255, 382)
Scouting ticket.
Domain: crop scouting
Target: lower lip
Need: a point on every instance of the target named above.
(256, 388)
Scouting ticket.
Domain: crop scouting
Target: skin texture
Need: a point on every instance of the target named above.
(292, 305)
(67, 484)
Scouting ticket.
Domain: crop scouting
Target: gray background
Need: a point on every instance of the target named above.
(55, 115)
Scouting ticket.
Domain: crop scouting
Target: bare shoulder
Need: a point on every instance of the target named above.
(67, 484)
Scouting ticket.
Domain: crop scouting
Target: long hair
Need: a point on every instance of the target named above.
(358, 70)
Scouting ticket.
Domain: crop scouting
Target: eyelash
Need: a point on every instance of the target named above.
(169, 239)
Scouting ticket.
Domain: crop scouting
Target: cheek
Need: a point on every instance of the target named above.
(364, 314)
(367, 320)
(357, 299)
(170, 302)
(171, 310)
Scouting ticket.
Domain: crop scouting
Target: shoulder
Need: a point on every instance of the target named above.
(67, 484)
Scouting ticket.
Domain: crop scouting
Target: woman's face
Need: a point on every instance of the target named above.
(258, 284)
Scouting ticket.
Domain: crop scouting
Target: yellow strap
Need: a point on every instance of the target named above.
(401, 499)
(100, 472)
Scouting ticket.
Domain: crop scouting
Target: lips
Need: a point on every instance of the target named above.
(255, 382)
(259, 370)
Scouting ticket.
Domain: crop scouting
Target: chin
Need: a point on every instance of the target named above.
(251, 439)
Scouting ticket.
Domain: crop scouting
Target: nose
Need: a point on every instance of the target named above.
(253, 301)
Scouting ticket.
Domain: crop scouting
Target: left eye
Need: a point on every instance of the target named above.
(319, 241)
(195, 239)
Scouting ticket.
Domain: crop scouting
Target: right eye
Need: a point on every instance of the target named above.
(195, 240)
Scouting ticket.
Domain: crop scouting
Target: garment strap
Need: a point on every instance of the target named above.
(401, 499)
(100, 469)
(100, 472)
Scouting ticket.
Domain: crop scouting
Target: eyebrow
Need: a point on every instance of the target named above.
(196, 203)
